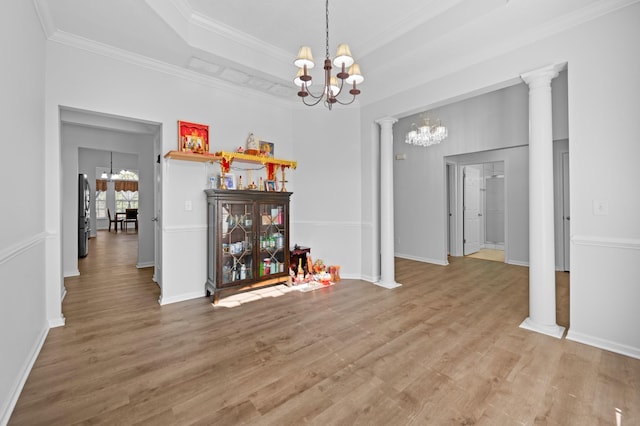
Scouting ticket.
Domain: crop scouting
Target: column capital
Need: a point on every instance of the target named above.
(544, 75)
(389, 121)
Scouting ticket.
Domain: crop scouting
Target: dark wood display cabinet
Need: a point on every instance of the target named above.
(247, 240)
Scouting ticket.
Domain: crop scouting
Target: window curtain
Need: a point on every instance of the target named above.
(126, 185)
(120, 185)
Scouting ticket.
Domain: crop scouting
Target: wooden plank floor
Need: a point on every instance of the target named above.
(445, 348)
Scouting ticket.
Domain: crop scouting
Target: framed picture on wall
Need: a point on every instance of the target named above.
(193, 137)
(229, 181)
(266, 149)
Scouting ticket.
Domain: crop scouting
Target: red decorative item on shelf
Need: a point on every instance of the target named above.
(193, 137)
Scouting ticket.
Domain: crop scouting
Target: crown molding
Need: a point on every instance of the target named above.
(44, 15)
(494, 50)
(122, 55)
(239, 37)
(191, 17)
(430, 10)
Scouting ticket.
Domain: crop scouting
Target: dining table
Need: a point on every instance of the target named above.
(120, 217)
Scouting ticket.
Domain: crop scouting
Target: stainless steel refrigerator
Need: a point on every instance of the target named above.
(84, 203)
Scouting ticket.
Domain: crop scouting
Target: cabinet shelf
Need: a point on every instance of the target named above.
(260, 265)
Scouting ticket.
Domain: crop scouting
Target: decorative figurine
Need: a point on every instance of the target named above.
(253, 145)
(283, 181)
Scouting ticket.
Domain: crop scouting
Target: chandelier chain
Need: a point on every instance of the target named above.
(327, 29)
(347, 76)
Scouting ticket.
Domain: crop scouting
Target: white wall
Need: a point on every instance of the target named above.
(484, 123)
(23, 311)
(481, 127)
(605, 251)
(603, 107)
(140, 90)
(326, 213)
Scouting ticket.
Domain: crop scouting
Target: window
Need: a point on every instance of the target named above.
(126, 188)
(126, 200)
(101, 204)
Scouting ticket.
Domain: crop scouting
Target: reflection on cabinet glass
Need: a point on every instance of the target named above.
(247, 240)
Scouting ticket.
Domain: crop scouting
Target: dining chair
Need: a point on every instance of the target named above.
(114, 221)
(131, 216)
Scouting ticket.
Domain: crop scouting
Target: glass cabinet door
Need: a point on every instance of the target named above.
(237, 239)
(272, 238)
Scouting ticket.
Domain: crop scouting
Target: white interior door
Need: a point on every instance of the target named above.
(471, 206)
(566, 215)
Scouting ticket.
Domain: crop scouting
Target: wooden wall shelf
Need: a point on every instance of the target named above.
(225, 158)
(259, 159)
(190, 156)
(229, 157)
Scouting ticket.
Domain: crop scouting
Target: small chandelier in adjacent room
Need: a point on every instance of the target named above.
(333, 85)
(111, 175)
(426, 135)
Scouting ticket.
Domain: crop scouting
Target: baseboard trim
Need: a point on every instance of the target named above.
(517, 263)
(57, 322)
(607, 345)
(145, 265)
(422, 259)
(553, 331)
(388, 285)
(7, 410)
(75, 273)
(181, 297)
(370, 278)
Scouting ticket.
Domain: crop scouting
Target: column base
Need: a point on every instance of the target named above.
(387, 284)
(550, 330)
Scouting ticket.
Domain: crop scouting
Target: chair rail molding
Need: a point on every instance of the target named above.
(621, 243)
(17, 249)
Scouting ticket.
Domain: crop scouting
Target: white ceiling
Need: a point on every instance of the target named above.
(252, 43)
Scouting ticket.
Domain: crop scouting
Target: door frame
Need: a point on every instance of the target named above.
(478, 218)
(562, 242)
(451, 209)
(454, 189)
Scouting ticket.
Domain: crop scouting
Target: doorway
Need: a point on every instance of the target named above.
(476, 205)
(483, 210)
(88, 131)
(562, 209)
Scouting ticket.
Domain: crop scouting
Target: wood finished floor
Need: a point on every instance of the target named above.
(445, 348)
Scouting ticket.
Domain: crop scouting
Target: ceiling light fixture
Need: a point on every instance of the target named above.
(427, 134)
(111, 176)
(332, 87)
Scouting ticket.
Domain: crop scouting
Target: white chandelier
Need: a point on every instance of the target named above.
(427, 134)
(332, 88)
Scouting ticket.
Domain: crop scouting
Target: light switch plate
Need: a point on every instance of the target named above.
(188, 206)
(600, 208)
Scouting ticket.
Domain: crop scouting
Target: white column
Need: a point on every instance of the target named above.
(387, 252)
(542, 278)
